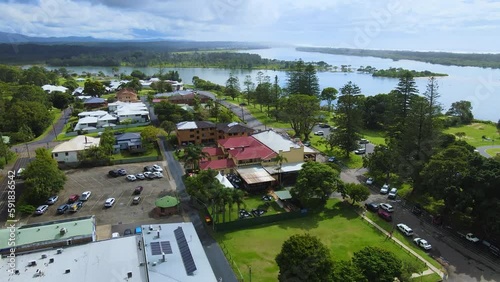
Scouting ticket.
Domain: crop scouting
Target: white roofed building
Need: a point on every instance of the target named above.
(67, 152)
(53, 88)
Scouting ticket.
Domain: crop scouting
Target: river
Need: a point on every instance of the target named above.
(481, 86)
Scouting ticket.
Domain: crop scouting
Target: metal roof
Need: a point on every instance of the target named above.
(255, 174)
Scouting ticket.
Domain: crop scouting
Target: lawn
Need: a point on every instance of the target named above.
(251, 202)
(374, 136)
(493, 152)
(261, 116)
(474, 133)
(338, 226)
(57, 115)
(128, 155)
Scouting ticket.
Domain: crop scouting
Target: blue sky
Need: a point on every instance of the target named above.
(451, 25)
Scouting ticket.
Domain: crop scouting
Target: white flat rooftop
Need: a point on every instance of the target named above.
(175, 267)
(278, 142)
(109, 260)
(285, 167)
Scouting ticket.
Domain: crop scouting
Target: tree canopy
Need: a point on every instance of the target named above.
(304, 258)
(316, 181)
(377, 265)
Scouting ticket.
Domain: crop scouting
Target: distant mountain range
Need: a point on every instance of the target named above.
(6, 37)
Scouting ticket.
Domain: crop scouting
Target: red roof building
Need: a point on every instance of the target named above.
(224, 164)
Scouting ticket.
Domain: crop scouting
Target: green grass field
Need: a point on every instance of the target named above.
(338, 226)
(493, 152)
(474, 133)
(250, 202)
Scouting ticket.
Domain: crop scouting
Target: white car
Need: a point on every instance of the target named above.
(319, 133)
(405, 229)
(158, 174)
(109, 202)
(157, 168)
(386, 207)
(41, 209)
(384, 189)
(369, 181)
(422, 244)
(149, 175)
(85, 195)
(131, 177)
(393, 193)
(140, 176)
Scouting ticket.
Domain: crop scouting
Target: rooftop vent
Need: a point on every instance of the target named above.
(59, 251)
(67, 271)
(32, 263)
(63, 231)
(154, 263)
(129, 274)
(158, 234)
(51, 260)
(44, 256)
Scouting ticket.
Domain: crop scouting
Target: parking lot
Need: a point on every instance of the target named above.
(102, 186)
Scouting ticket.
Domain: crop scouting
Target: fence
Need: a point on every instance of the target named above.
(233, 264)
(255, 221)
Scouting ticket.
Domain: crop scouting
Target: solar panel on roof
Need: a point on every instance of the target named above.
(165, 247)
(155, 248)
(187, 257)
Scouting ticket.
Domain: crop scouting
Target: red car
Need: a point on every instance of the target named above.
(73, 198)
(138, 190)
(385, 215)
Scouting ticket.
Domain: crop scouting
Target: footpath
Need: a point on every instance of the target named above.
(431, 268)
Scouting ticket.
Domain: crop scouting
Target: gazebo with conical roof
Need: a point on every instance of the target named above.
(167, 205)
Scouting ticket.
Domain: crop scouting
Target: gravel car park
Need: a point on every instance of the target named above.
(102, 186)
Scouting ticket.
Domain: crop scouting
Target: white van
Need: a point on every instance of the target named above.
(405, 229)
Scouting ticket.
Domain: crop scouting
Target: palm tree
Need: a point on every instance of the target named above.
(193, 154)
(279, 159)
(238, 197)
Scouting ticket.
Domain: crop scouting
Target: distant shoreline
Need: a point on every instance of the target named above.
(481, 60)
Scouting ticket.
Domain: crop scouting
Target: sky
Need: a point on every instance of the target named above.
(444, 25)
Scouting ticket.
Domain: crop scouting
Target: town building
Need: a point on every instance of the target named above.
(67, 152)
(53, 88)
(206, 132)
(94, 103)
(164, 252)
(127, 95)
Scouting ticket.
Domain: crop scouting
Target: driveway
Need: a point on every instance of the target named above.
(482, 150)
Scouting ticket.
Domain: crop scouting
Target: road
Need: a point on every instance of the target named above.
(463, 261)
(218, 261)
(482, 150)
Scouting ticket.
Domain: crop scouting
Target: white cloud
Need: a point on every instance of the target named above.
(320, 22)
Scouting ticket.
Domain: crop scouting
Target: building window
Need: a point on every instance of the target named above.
(191, 130)
(66, 154)
(191, 136)
(55, 155)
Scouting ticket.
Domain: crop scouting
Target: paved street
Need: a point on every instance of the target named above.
(482, 150)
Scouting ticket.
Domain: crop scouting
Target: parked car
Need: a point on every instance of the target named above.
(417, 210)
(109, 202)
(369, 181)
(157, 168)
(385, 215)
(384, 189)
(41, 209)
(387, 207)
(405, 229)
(331, 159)
(140, 176)
(52, 200)
(422, 243)
(138, 190)
(319, 133)
(307, 143)
(73, 198)
(114, 173)
(372, 207)
(149, 175)
(149, 168)
(363, 141)
(62, 208)
(122, 172)
(324, 125)
(360, 151)
(76, 206)
(393, 193)
(158, 174)
(127, 232)
(136, 200)
(131, 177)
(469, 237)
(85, 195)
